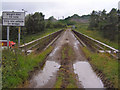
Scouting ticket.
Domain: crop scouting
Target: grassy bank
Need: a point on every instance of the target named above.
(104, 63)
(16, 66)
(29, 38)
(66, 77)
(83, 28)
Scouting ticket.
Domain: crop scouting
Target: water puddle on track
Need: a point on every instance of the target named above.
(86, 75)
(54, 51)
(43, 76)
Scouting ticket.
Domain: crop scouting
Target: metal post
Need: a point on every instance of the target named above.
(8, 36)
(19, 36)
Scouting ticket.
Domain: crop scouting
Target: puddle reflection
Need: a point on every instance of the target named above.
(86, 75)
(43, 76)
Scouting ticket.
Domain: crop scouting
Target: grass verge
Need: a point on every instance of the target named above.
(16, 66)
(66, 77)
(83, 28)
(104, 63)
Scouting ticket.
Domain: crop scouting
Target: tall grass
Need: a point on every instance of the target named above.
(16, 66)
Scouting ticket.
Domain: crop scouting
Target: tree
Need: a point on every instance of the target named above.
(94, 20)
(107, 23)
(35, 23)
(29, 24)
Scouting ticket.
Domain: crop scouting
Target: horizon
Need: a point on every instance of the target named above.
(58, 9)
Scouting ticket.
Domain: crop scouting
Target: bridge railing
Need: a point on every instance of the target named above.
(97, 45)
(40, 43)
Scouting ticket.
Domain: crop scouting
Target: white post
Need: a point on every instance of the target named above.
(8, 36)
(19, 36)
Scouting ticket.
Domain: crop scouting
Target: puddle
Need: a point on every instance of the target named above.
(86, 75)
(53, 52)
(74, 36)
(76, 44)
(43, 76)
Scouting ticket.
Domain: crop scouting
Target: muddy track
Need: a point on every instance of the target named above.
(66, 72)
(46, 78)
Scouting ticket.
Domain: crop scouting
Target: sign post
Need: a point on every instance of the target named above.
(19, 36)
(7, 36)
(13, 19)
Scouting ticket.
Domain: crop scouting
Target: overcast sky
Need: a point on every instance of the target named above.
(58, 8)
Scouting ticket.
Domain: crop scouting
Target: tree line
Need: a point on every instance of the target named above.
(107, 23)
(34, 23)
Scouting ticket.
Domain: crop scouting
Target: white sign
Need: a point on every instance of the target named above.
(13, 18)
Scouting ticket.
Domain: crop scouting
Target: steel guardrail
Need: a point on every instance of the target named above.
(36, 42)
(98, 44)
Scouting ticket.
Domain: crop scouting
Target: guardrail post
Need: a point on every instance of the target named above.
(18, 36)
(8, 36)
(118, 55)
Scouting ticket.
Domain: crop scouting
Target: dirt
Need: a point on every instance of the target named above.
(55, 56)
(67, 67)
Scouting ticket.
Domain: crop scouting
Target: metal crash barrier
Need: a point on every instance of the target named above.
(39, 43)
(97, 45)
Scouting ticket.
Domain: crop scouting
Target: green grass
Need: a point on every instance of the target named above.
(106, 64)
(0, 78)
(29, 38)
(72, 81)
(65, 74)
(16, 66)
(83, 28)
(58, 83)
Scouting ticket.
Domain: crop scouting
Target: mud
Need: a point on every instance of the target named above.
(67, 67)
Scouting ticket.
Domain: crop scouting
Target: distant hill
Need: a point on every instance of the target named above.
(79, 19)
(52, 19)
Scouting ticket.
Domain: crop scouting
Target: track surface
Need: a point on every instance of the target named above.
(46, 78)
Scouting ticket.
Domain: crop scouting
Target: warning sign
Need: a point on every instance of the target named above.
(13, 18)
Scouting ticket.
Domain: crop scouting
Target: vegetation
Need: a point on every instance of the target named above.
(35, 23)
(101, 26)
(0, 76)
(106, 64)
(106, 23)
(83, 28)
(75, 19)
(16, 66)
(53, 23)
(66, 78)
